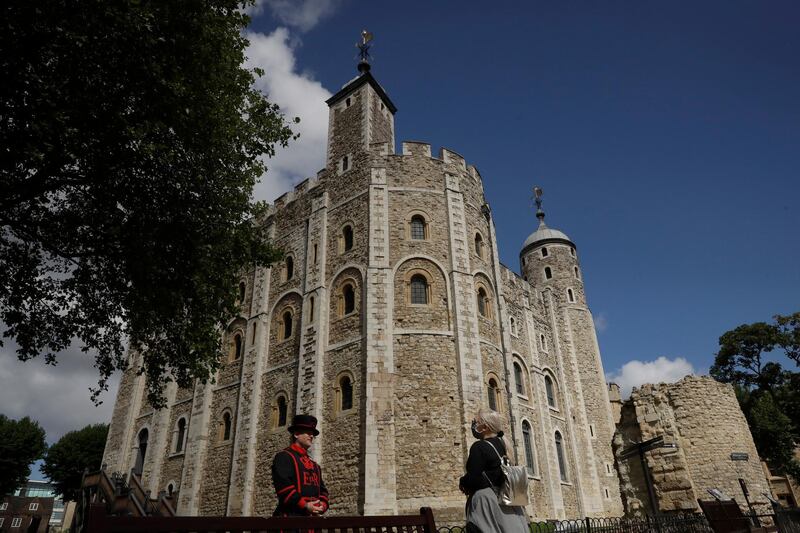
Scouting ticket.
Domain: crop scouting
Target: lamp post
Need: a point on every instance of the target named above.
(640, 448)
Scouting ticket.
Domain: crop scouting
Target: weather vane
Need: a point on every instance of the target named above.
(363, 48)
(537, 198)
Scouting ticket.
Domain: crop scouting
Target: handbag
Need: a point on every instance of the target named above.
(515, 485)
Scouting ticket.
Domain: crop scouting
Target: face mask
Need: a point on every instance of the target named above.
(475, 432)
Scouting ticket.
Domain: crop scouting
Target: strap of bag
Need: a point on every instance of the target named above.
(495, 451)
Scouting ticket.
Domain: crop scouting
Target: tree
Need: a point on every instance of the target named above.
(768, 394)
(131, 137)
(21, 443)
(76, 451)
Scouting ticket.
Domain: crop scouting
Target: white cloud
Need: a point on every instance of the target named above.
(57, 397)
(601, 322)
(301, 14)
(298, 95)
(662, 370)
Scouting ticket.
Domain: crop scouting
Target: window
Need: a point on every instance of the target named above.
(33, 506)
(3, 506)
(16, 522)
(492, 394)
(348, 299)
(572, 252)
(286, 325)
(345, 393)
(591, 430)
(577, 274)
(528, 443)
(289, 268)
(2, 519)
(518, 379)
(548, 387)
(236, 348)
(483, 302)
(419, 289)
(479, 245)
(345, 163)
(607, 495)
(570, 295)
(255, 327)
(142, 451)
(544, 252)
(562, 463)
(314, 254)
(311, 309)
(347, 238)
(181, 435)
(347, 102)
(548, 273)
(225, 427)
(417, 228)
(513, 326)
(543, 342)
(608, 468)
(282, 407)
(242, 290)
(170, 489)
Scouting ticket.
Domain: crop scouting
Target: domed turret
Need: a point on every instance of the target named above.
(549, 259)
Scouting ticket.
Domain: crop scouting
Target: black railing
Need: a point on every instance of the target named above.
(787, 520)
(695, 523)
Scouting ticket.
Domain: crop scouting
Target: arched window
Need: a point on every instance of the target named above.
(417, 228)
(180, 435)
(348, 299)
(562, 462)
(572, 252)
(236, 348)
(255, 327)
(518, 378)
(311, 309)
(242, 291)
(225, 432)
(513, 326)
(289, 266)
(570, 295)
(483, 302)
(549, 389)
(282, 407)
(548, 273)
(543, 342)
(142, 451)
(347, 238)
(527, 441)
(577, 274)
(170, 489)
(345, 393)
(479, 245)
(492, 394)
(419, 289)
(286, 323)
(544, 252)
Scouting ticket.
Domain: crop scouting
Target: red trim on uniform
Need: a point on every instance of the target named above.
(286, 499)
(285, 489)
(302, 503)
(299, 449)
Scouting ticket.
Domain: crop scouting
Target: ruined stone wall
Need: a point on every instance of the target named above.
(702, 417)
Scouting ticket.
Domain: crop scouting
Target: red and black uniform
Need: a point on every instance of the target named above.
(298, 480)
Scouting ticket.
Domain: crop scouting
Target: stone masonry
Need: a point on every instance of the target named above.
(702, 418)
(392, 321)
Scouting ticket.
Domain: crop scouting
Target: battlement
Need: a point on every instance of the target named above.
(300, 190)
(423, 149)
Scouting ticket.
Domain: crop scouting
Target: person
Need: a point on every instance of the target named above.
(483, 475)
(296, 477)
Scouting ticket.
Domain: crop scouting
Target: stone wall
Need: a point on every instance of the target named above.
(702, 418)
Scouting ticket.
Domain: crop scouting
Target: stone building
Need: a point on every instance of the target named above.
(704, 429)
(393, 321)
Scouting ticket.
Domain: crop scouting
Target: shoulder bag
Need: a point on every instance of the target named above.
(515, 487)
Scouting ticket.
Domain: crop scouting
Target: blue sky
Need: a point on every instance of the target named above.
(666, 137)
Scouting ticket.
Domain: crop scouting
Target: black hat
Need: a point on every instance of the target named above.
(304, 422)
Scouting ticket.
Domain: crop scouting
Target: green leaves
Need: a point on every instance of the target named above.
(131, 141)
(21, 443)
(75, 452)
(768, 394)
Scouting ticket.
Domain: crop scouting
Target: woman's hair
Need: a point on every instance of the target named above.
(495, 423)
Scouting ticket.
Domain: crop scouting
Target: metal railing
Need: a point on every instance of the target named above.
(694, 523)
(787, 520)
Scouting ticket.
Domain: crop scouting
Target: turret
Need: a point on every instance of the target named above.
(549, 259)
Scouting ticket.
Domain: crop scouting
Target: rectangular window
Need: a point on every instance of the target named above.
(33, 507)
(2, 520)
(3, 506)
(591, 430)
(16, 522)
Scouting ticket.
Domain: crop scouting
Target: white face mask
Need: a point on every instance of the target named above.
(475, 432)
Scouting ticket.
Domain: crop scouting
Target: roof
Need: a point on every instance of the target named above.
(365, 77)
(544, 235)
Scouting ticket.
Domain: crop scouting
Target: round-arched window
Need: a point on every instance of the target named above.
(419, 289)
(418, 227)
(349, 297)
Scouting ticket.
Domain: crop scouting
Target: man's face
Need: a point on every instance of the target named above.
(304, 439)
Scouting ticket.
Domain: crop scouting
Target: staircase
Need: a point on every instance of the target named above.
(120, 497)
